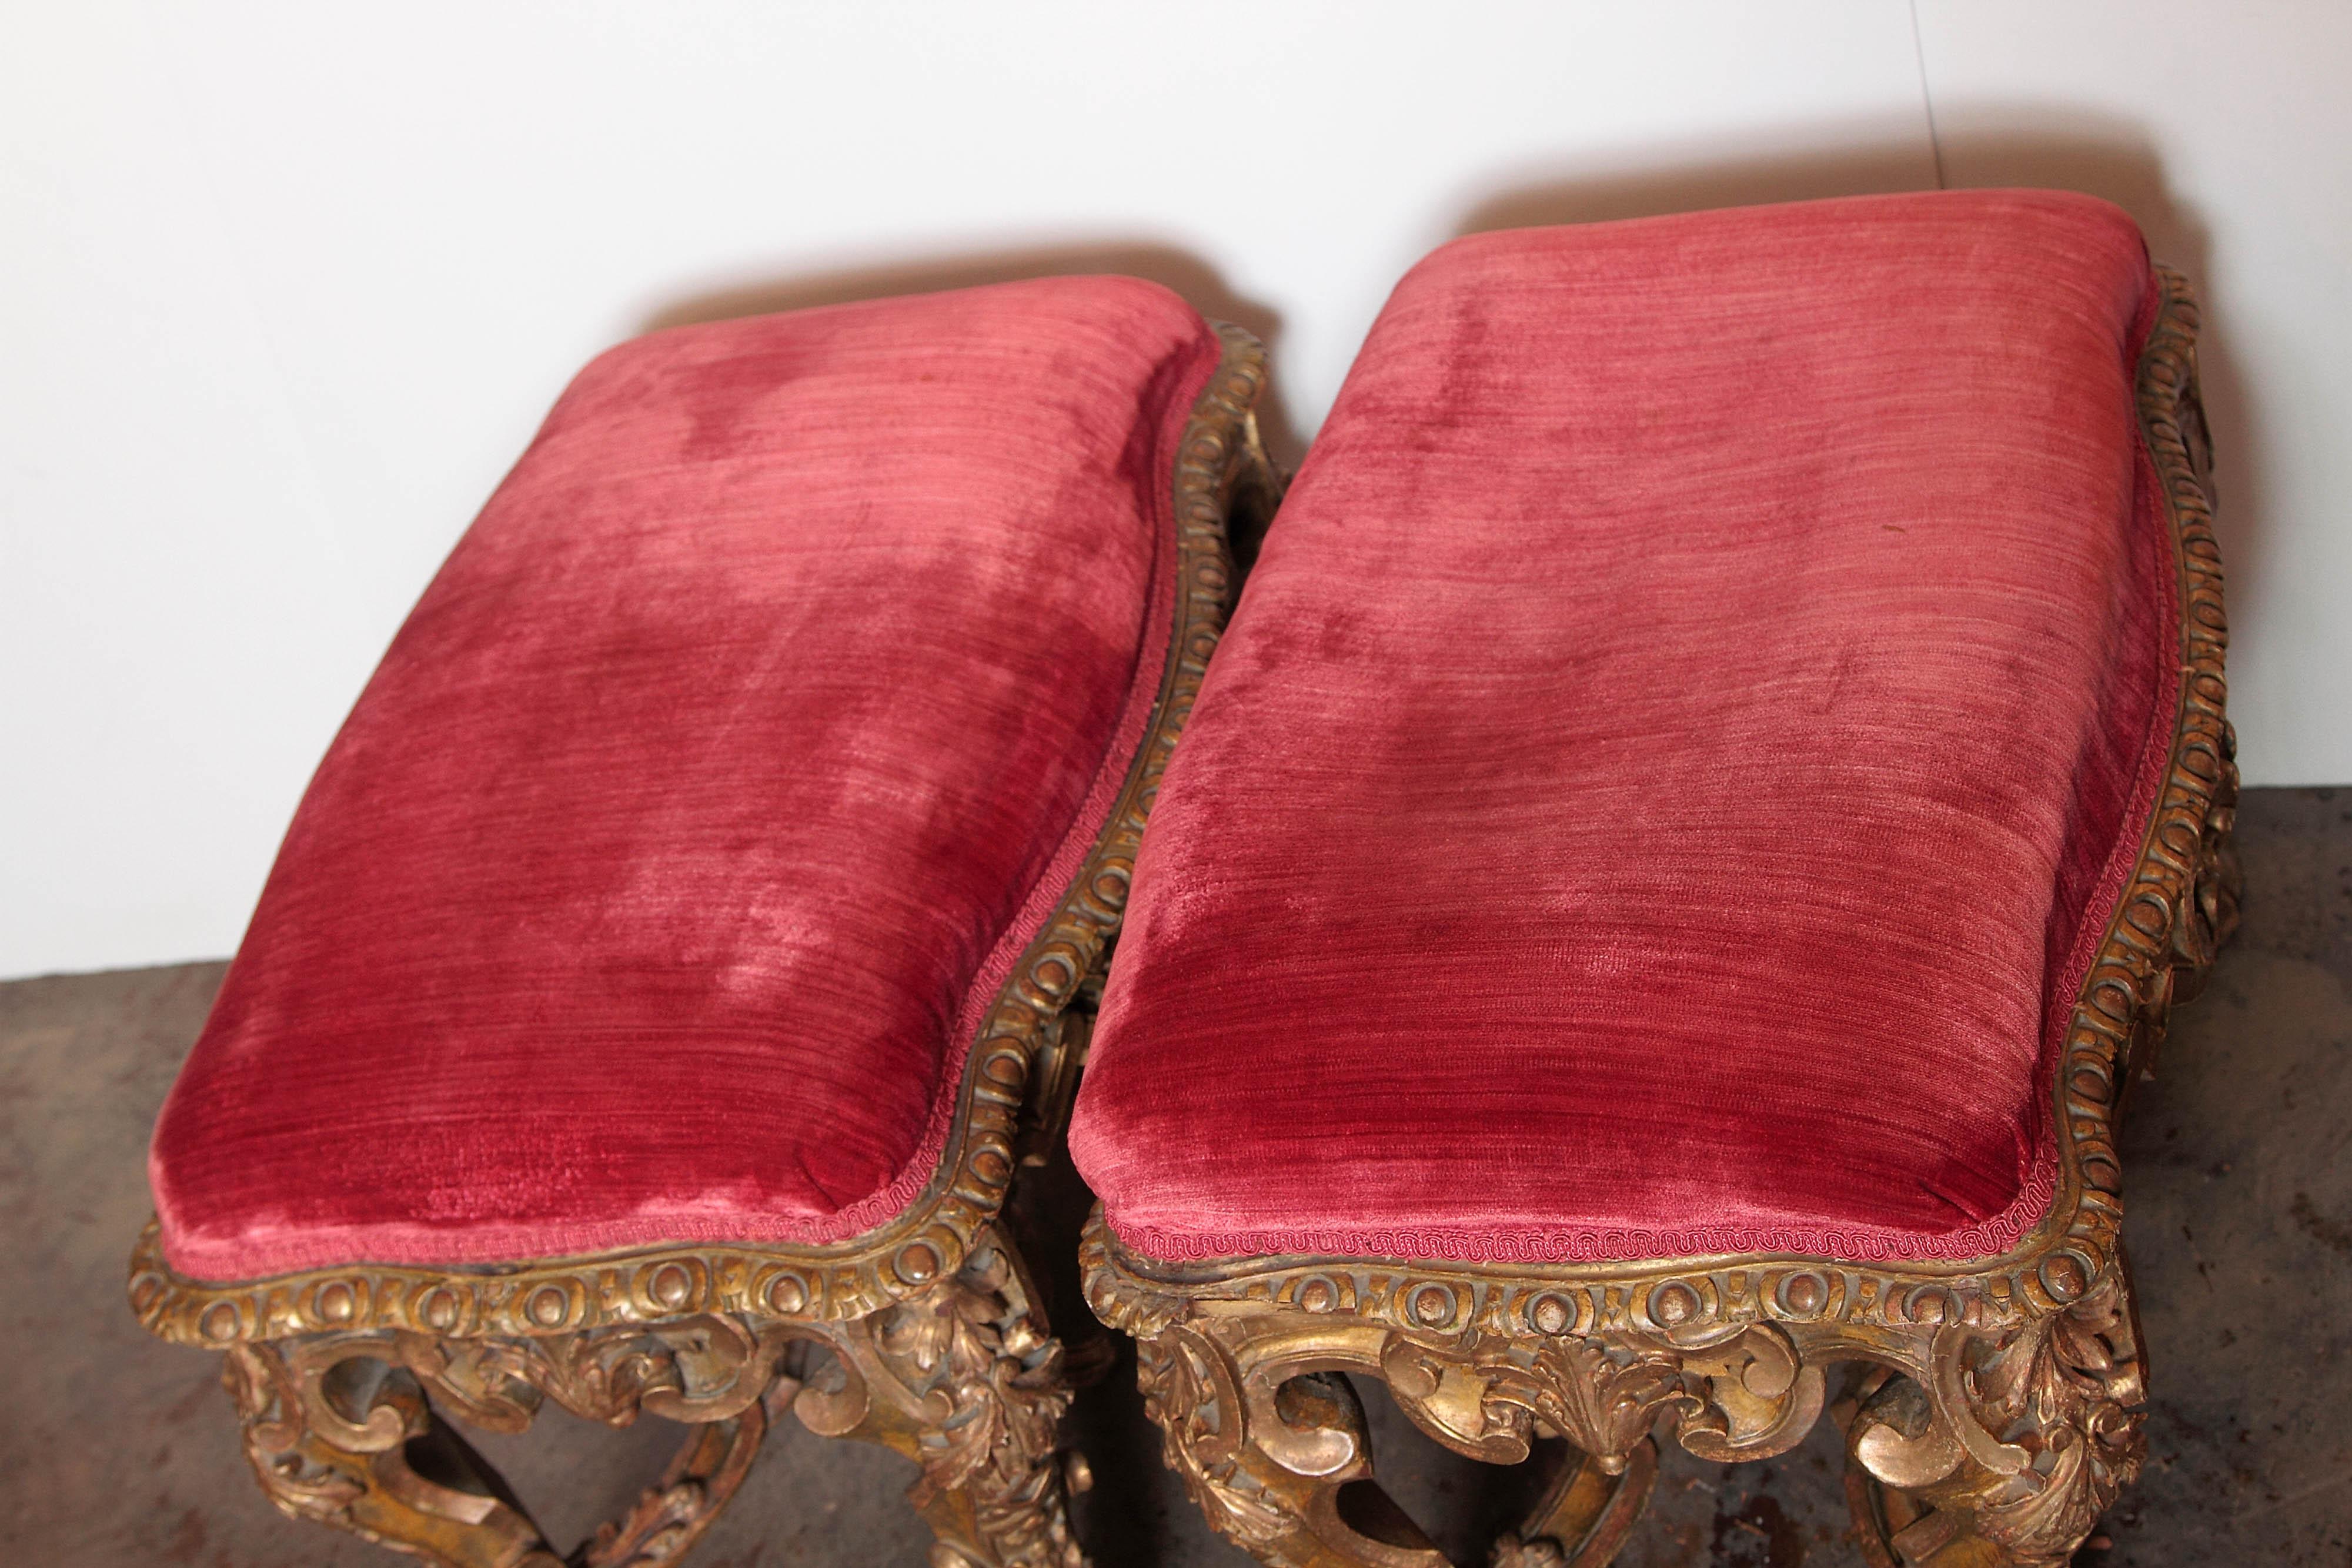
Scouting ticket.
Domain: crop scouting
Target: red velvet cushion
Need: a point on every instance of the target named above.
(1671, 766)
(656, 885)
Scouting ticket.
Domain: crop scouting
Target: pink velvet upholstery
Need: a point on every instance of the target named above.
(655, 886)
(1672, 762)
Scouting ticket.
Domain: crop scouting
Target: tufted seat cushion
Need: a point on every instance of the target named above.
(1674, 760)
(654, 887)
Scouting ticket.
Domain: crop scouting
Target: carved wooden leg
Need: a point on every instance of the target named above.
(966, 1381)
(1282, 1506)
(697, 1483)
(338, 1429)
(332, 1425)
(1585, 1516)
(2010, 1449)
(1271, 1441)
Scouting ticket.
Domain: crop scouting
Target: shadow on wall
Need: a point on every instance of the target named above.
(1180, 271)
(2074, 151)
(2038, 145)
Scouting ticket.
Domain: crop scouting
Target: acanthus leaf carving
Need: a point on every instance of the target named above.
(1189, 1391)
(965, 1380)
(2021, 1440)
(2069, 1390)
(1602, 1399)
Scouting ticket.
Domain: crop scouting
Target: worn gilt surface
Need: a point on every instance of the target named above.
(2001, 1400)
(933, 1341)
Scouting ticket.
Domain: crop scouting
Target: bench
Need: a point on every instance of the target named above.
(691, 934)
(1715, 778)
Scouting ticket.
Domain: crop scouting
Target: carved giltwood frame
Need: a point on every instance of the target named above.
(940, 1337)
(1999, 1404)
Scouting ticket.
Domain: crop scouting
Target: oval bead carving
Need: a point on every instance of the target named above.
(671, 1286)
(787, 1293)
(1431, 1305)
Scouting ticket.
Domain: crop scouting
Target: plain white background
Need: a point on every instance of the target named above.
(284, 288)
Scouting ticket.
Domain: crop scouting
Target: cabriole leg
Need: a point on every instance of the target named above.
(966, 1381)
(1271, 1441)
(2007, 1452)
(334, 1429)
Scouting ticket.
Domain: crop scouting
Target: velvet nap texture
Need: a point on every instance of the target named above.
(1674, 760)
(657, 883)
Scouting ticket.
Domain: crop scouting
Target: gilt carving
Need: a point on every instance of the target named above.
(1259, 1420)
(1188, 1390)
(2020, 1441)
(965, 1381)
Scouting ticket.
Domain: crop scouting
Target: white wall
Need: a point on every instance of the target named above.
(283, 287)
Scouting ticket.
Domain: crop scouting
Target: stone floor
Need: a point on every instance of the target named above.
(121, 1450)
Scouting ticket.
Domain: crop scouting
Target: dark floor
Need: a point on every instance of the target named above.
(121, 1450)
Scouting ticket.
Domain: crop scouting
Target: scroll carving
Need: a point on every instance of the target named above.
(1189, 1391)
(964, 1379)
(703, 1368)
(336, 1425)
(1603, 1399)
(1259, 1421)
(2020, 1442)
(329, 1427)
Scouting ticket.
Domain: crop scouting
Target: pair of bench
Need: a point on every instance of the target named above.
(1717, 775)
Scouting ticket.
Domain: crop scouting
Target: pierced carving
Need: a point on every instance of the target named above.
(705, 1368)
(1259, 1420)
(1188, 1389)
(965, 1381)
(2003, 1410)
(337, 1425)
(330, 1426)
(672, 1514)
(2020, 1441)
